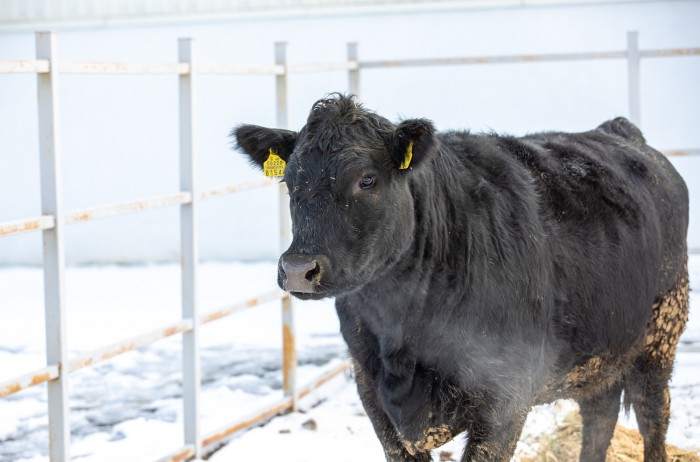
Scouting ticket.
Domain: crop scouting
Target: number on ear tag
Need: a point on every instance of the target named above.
(274, 165)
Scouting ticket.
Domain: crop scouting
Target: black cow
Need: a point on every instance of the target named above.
(478, 275)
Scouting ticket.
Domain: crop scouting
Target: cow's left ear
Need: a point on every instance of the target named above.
(414, 140)
(259, 142)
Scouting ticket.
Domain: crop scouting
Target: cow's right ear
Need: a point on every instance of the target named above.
(413, 141)
(258, 142)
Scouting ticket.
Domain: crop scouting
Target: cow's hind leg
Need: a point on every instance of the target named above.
(647, 384)
(599, 415)
(649, 395)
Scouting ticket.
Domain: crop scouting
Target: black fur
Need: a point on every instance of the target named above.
(494, 274)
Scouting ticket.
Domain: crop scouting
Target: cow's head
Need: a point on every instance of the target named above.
(347, 175)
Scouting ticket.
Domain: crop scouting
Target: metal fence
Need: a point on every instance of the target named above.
(53, 219)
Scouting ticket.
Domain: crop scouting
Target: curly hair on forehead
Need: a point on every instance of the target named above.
(343, 116)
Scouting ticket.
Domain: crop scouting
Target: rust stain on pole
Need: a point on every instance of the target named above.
(681, 152)
(81, 217)
(10, 389)
(323, 379)
(274, 410)
(180, 455)
(40, 378)
(289, 356)
(21, 227)
(248, 422)
(171, 331)
(29, 380)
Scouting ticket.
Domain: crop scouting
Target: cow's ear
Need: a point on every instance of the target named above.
(413, 141)
(258, 142)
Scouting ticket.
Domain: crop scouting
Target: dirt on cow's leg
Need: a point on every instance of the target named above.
(647, 384)
(599, 415)
(394, 448)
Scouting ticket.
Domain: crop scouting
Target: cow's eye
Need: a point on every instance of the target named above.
(367, 181)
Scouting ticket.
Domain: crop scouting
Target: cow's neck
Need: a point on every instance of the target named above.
(434, 270)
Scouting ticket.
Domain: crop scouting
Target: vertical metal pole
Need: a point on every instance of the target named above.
(189, 252)
(633, 89)
(289, 351)
(281, 84)
(54, 258)
(353, 74)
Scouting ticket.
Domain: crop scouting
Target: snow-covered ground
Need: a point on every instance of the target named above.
(129, 408)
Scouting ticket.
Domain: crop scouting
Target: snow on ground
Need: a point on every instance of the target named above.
(129, 408)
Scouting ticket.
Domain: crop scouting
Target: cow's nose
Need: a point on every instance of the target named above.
(300, 273)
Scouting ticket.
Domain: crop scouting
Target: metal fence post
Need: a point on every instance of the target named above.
(353, 73)
(189, 252)
(633, 88)
(289, 350)
(54, 258)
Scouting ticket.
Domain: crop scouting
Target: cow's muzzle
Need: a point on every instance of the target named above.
(302, 274)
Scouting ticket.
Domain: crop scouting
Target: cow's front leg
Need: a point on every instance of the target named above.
(494, 441)
(394, 448)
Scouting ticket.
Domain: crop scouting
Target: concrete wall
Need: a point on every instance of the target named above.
(119, 133)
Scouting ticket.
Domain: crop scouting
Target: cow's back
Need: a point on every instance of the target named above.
(614, 214)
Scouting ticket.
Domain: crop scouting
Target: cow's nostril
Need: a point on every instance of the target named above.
(314, 273)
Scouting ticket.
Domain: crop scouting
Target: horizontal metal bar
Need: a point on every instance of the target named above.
(110, 210)
(234, 188)
(104, 211)
(237, 307)
(37, 377)
(271, 411)
(247, 422)
(323, 67)
(180, 455)
(28, 225)
(681, 152)
(131, 344)
(234, 70)
(548, 57)
(324, 378)
(39, 66)
(72, 67)
(670, 53)
(494, 59)
(75, 67)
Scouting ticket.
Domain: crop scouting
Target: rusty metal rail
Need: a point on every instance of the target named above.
(272, 410)
(52, 220)
(125, 346)
(533, 58)
(223, 312)
(24, 67)
(28, 225)
(681, 152)
(37, 377)
(123, 208)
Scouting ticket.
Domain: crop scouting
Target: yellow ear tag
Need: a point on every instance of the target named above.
(274, 165)
(407, 157)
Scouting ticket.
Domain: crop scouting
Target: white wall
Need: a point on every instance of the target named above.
(119, 133)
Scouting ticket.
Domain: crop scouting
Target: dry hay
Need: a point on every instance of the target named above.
(565, 443)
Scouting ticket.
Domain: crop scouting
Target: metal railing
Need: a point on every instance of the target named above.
(54, 218)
